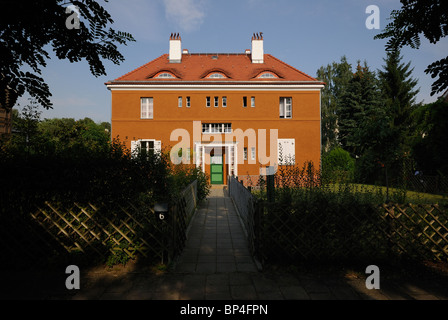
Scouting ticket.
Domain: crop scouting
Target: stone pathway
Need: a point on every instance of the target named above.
(216, 241)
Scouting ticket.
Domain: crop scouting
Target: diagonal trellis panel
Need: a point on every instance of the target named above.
(293, 234)
(102, 230)
(39, 235)
(124, 231)
(418, 229)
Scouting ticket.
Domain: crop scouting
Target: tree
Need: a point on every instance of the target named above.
(398, 89)
(28, 28)
(416, 17)
(69, 136)
(25, 128)
(336, 76)
(364, 124)
(338, 165)
(358, 103)
(431, 134)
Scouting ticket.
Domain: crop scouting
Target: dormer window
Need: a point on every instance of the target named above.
(216, 75)
(165, 75)
(267, 75)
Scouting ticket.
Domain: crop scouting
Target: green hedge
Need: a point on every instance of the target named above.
(316, 224)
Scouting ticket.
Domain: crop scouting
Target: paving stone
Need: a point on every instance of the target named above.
(139, 294)
(206, 267)
(193, 287)
(294, 293)
(226, 267)
(270, 295)
(186, 267)
(239, 278)
(344, 293)
(217, 279)
(263, 284)
(246, 267)
(243, 292)
(224, 258)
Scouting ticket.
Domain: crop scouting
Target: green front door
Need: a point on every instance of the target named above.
(216, 170)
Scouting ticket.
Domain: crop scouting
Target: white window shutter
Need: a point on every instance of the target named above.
(134, 147)
(286, 151)
(157, 146)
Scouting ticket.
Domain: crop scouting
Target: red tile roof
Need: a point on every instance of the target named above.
(197, 66)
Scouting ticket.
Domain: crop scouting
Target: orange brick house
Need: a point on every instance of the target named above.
(228, 113)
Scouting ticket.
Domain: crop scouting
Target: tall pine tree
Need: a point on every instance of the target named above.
(399, 92)
(357, 104)
(364, 124)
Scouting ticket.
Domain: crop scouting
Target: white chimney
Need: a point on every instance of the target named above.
(257, 48)
(175, 55)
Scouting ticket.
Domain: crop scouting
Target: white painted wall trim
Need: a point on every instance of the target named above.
(208, 87)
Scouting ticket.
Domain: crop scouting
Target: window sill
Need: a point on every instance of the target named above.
(216, 132)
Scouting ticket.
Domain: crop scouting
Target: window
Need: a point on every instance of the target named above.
(146, 108)
(252, 153)
(165, 75)
(252, 102)
(227, 128)
(244, 102)
(207, 103)
(146, 146)
(216, 76)
(245, 153)
(224, 102)
(267, 75)
(216, 102)
(216, 128)
(285, 108)
(179, 103)
(188, 102)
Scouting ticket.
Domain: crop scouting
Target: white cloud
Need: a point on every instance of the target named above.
(186, 14)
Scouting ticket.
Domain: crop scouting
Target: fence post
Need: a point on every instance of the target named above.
(257, 245)
(390, 227)
(270, 187)
(172, 241)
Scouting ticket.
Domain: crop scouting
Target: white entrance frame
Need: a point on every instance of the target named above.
(231, 153)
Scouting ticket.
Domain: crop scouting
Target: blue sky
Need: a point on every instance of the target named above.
(304, 34)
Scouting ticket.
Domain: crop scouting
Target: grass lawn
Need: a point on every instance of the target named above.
(411, 196)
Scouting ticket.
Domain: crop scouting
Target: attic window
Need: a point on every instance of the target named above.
(165, 75)
(216, 75)
(267, 75)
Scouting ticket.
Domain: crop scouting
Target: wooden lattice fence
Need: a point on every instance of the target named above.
(418, 230)
(124, 231)
(106, 232)
(293, 234)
